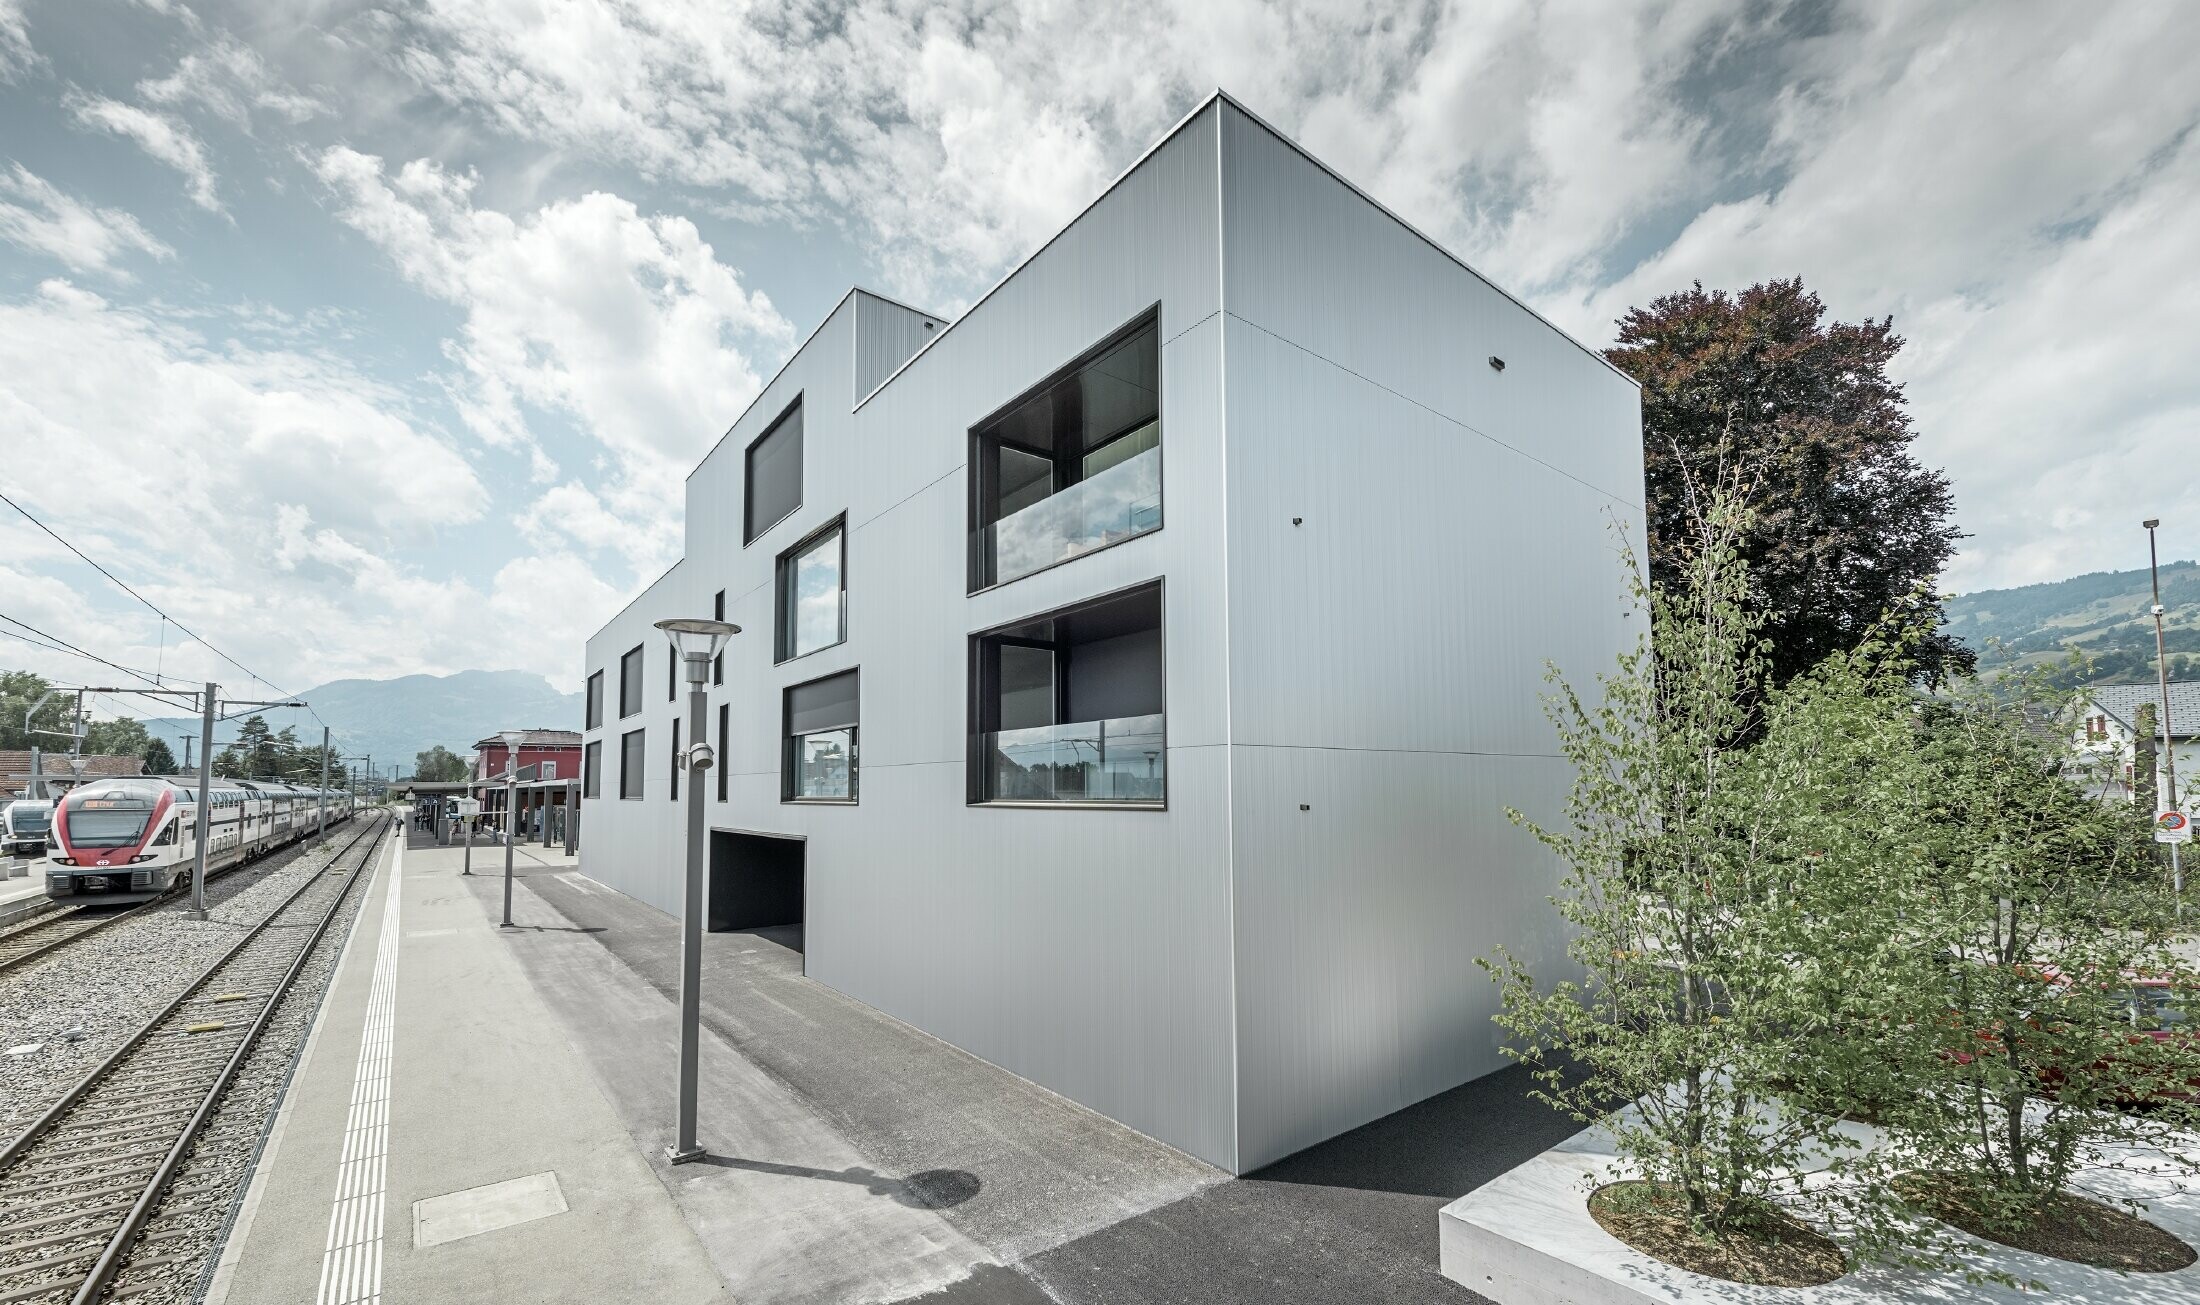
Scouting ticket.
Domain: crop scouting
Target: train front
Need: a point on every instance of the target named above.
(108, 838)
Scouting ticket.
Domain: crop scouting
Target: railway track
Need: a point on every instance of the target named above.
(77, 1185)
(50, 931)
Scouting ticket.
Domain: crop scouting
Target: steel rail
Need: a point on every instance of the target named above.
(22, 1141)
(110, 1259)
(71, 910)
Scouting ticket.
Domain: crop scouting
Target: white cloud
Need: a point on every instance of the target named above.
(179, 457)
(37, 216)
(16, 53)
(165, 138)
(625, 325)
(231, 80)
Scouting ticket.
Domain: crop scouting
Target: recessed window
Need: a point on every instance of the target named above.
(630, 682)
(813, 593)
(774, 475)
(819, 762)
(725, 716)
(1068, 707)
(592, 769)
(718, 663)
(631, 745)
(672, 673)
(672, 767)
(1073, 466)
(595, 701)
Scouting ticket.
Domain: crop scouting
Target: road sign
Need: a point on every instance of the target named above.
(2173, 827)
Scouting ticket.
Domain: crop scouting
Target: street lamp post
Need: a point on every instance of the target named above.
(2169, 736)
(511, 831)
(696, 642)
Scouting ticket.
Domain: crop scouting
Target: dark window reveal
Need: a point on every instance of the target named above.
(630, 682)
(631, 747)
(773, 483)
(595, 701)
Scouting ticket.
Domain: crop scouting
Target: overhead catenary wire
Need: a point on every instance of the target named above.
(154, 608)
(55, 643)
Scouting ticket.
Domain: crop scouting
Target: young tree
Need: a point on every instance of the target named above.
(1846, 523)
(438, 765)
(19, 690)
(1711, 833)
(123, 736)
(159, 760)
(2051, 932)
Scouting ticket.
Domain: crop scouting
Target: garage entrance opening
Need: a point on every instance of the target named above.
(757, 886)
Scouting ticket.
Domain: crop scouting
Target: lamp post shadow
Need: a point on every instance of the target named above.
(931, 1189)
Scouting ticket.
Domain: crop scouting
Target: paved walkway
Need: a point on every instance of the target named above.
(473, 1153)
(852, 1157)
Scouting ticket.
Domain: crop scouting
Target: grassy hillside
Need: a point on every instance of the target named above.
(2103, 615)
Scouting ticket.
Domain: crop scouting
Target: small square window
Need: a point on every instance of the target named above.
(819, 762)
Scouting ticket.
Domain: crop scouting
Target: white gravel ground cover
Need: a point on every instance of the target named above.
(76, 1006)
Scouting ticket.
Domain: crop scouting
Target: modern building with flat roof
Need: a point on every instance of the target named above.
(1137, 669)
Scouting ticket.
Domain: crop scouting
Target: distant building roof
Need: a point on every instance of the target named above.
(535, 739)
(2122, 701)
(15, 769)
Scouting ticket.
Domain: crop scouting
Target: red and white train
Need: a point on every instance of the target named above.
(130, 840)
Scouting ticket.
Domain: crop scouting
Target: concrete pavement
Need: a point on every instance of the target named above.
(528, 1187)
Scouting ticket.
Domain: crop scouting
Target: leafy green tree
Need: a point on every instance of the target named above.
(2038, 906)
(158, 759)
(18, 691)
(123, 736)
(439, 765)
(1846, 523)
(1712, 833)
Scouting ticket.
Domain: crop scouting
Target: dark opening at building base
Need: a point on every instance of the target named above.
(757, 886)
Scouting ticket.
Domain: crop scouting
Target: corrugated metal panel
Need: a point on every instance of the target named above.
(1086, 950)
(1319, 266)
(1387, 651)
(886, 335)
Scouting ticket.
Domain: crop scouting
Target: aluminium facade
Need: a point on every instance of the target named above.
(1136, 671)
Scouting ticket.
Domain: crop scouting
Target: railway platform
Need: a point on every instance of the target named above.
(442, 1139)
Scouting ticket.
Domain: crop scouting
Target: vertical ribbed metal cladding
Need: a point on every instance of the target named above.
(89, 1171)
(1412, 537)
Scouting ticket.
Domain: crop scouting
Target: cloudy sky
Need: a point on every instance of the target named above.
(376, 336)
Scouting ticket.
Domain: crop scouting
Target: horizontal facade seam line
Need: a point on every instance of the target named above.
(1412, 752)
(1440, 415)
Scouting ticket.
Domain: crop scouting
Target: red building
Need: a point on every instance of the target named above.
(549, 769)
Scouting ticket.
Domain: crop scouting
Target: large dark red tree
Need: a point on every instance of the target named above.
(1759, 386)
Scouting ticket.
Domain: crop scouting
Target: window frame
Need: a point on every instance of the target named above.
(750, 530)
(592, 769)
(718, 663)
(782, 628)
(789, 741)
(640, 752)
(631, 707)
(973, 764)
(725, 718)
(978, 477)
(595, 701)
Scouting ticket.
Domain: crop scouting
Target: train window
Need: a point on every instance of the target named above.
(167, 836)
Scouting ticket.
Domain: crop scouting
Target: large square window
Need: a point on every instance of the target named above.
(774, 475)
(630, 682)
(595, 701)
(813, 593)
(631, 745)
(1068, 707)
(1071, 467)
(819, 762)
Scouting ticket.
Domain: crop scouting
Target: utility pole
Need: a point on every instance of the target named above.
(206, 814)
(324, 780)
(2169, 735)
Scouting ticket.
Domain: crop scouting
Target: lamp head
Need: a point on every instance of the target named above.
(697, 640)
(2150, 523)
